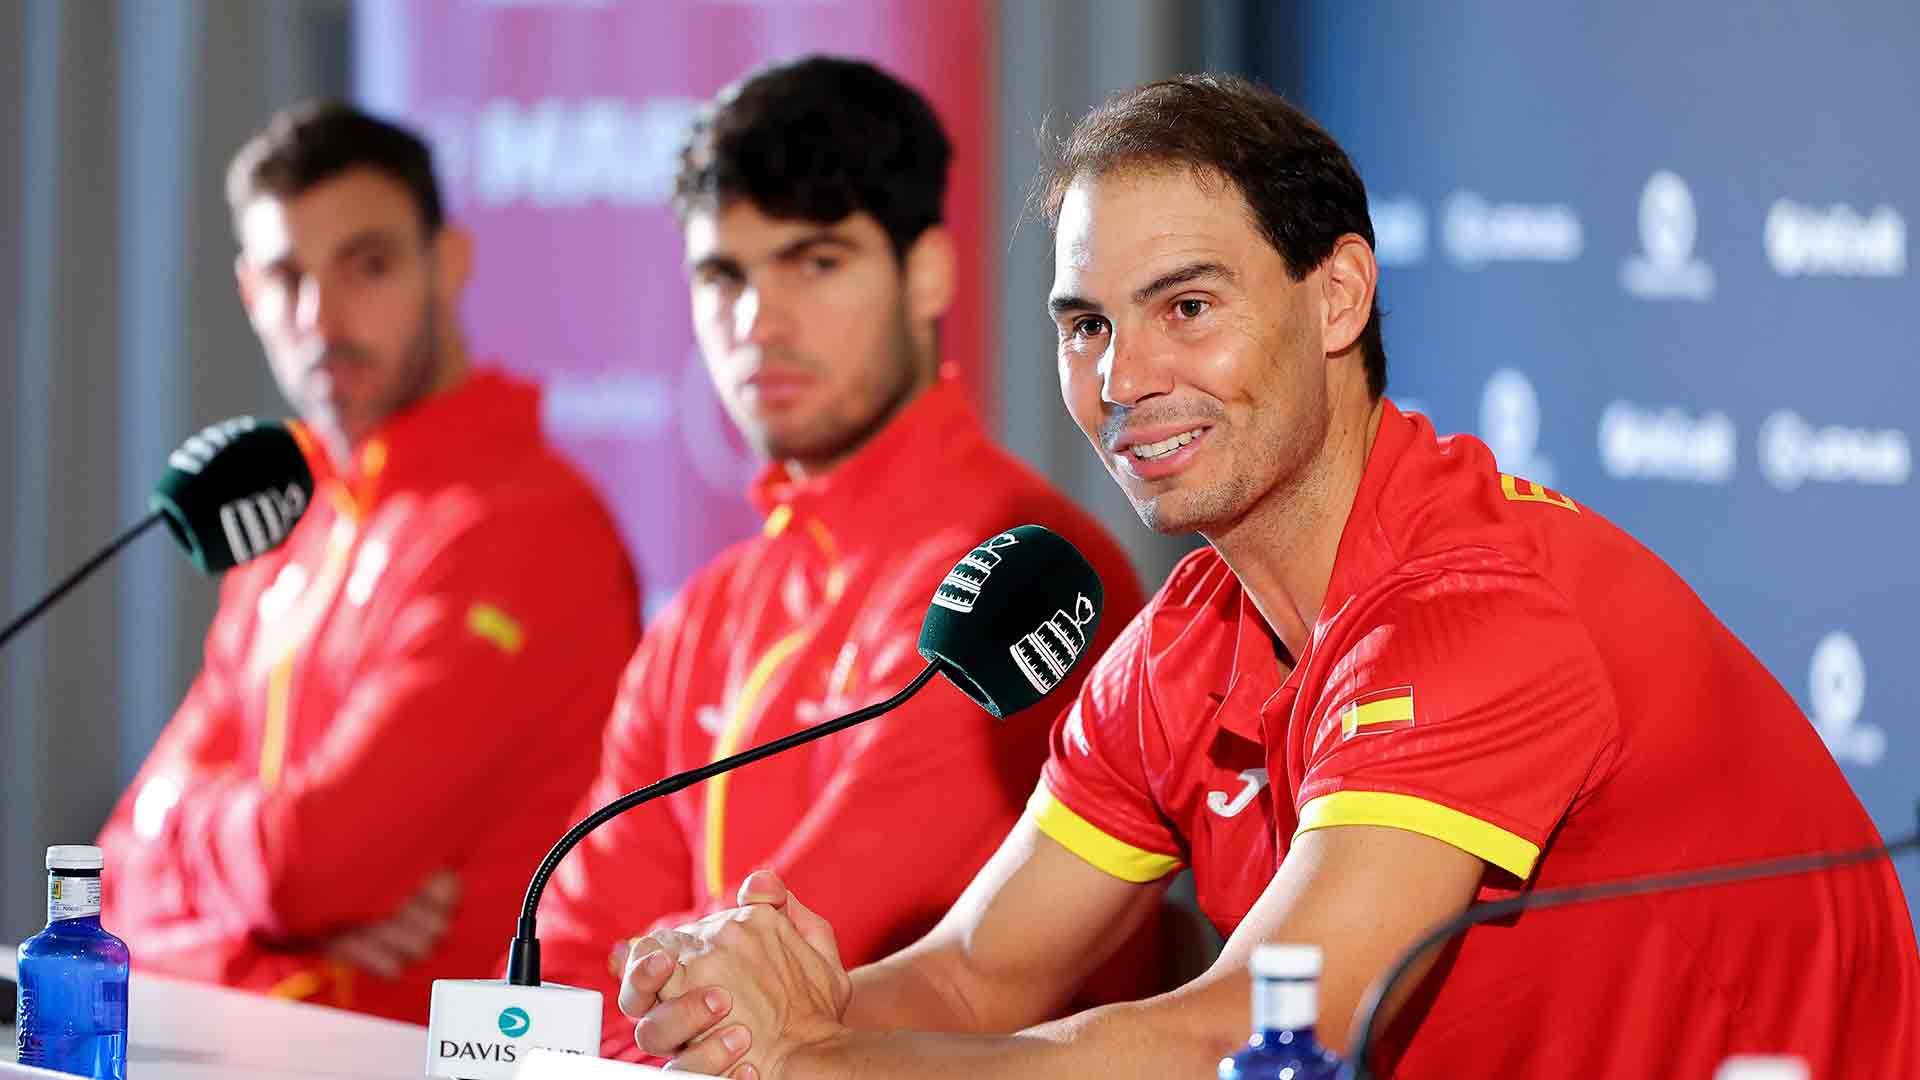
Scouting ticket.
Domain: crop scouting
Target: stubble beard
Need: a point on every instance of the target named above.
(419, 373)
(832, 441)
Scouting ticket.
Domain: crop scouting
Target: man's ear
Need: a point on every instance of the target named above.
(931, 276)
(245, 281)
(452, 252)
(1347, 288)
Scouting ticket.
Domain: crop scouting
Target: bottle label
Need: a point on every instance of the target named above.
(72, 897)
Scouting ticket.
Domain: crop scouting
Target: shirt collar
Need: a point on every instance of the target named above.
(1363, 554)
(444, 434)
(844, 499)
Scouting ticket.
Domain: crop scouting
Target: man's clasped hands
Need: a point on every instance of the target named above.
(736, 993)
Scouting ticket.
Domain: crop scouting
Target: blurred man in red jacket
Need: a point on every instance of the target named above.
(810, 198)
(400, 706)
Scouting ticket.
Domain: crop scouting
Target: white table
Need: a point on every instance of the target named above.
(179, 1030)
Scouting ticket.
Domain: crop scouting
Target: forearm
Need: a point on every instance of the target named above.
(931, 987)
(1180, 1034)
(909, 990)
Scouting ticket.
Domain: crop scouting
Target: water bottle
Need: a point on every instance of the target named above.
(1286, 1005)
(72, 1005)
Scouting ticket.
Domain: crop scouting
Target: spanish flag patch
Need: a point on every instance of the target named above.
(1382, 710)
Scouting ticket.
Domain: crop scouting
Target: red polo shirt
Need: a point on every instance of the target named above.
(415, 681)
(1498, 667)
(878, 828)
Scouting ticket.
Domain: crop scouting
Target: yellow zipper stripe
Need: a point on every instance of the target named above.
(273, 740)
(730, 738)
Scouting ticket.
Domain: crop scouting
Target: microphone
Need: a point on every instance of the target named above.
(1006, 626)
(230, 493)
(1779, 866)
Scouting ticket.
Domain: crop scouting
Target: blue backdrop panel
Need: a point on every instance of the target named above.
(1657, 256)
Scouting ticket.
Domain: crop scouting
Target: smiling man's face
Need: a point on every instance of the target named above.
(1188, 356)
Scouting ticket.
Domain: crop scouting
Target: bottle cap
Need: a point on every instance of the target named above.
(1286, 962)
(75, 857)
(1761, 1067)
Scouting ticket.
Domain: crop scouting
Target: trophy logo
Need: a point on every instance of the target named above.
(960, 590)
(1046, 655)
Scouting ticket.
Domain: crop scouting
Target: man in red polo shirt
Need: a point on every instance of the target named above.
(1398, 681)
(810, 197)
(400, 705)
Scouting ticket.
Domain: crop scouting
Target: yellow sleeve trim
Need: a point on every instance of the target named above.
(1080, 836)
(1464, 831)
(493, 625)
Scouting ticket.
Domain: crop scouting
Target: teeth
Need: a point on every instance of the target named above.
(1147, 451)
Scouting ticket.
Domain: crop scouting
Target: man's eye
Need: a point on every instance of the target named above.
(1089, 326)
(1191, 308)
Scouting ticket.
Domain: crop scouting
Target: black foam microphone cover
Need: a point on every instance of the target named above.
(1012, 618)
(233, 491)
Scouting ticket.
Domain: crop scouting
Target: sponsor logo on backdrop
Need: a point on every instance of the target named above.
(1638, 442)
(1666, 268)
(612, 404)
(1835, 241)
(558, 153)
(1510, 425)
(1794, 452)
(1477, 232)
(1399, 230)
(1836, 693)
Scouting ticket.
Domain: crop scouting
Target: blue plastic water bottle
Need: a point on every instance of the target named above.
(1286, 1005)
(73, 976)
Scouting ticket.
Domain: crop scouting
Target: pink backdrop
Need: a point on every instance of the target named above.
(555, 125)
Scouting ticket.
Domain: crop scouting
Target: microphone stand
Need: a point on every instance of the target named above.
(523, 957)
(75, 578)
(1780, 866)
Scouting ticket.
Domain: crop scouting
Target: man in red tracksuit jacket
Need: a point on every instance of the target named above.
(399, 706)
(810, 198)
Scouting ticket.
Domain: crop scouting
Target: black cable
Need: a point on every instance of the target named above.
(78, 576)
(523, 959)
(1779, 866)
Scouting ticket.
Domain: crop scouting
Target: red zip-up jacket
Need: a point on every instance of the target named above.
(417, 680)
(880, 827)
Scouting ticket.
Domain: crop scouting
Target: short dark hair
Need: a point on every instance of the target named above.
(817, 139)
(306, 144)
(1304, 192)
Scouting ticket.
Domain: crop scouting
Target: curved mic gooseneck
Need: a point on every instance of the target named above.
(75, 578)
(1779, 866)
(523, 959)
